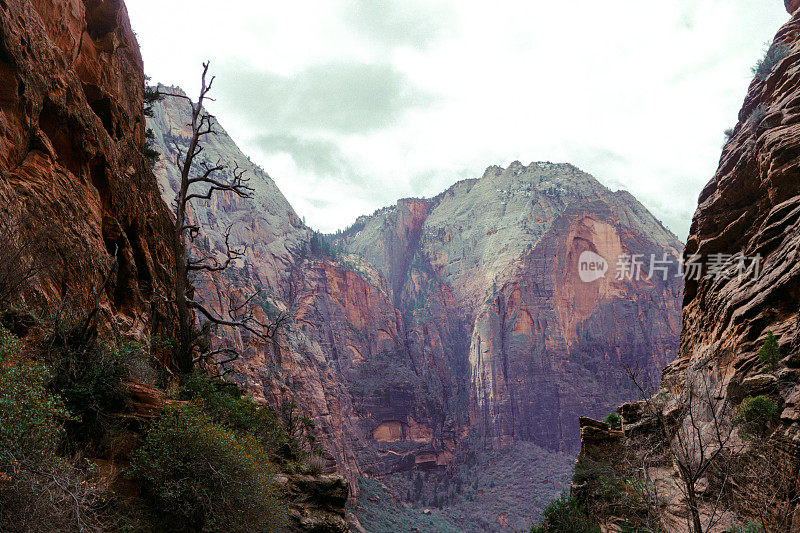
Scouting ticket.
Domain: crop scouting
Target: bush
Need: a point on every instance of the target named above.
(30, 417)
(775, 54)
(757, 415)
(89, 377)
(9, 344)
(40, 491)
(770, 352)
(565, 515)
(614, 421)
(150, 153)
(729, 133)
(201, 476)
(315, 464)
(757, 116)
(224, 403)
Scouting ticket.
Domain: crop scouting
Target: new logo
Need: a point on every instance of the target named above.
(591, 266)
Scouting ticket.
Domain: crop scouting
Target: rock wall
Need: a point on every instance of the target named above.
(74, 188)
(749, 210)
(437, 318)
(78, 196)
(443, 317)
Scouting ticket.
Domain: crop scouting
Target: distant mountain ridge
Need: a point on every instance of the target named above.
(436, 322)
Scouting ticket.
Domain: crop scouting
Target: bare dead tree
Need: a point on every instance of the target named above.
(764, 484)
(699, 438)
(200, 180)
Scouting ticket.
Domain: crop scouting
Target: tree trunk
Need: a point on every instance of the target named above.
(185, 317)
(697, 526)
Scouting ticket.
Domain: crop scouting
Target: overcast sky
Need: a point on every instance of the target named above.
(353, 104)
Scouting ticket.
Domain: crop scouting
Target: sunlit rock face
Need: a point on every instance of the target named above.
(73, 181)
(442, 318)
(497, 259)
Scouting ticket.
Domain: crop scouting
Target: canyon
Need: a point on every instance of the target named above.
(432, 331)
(439, 324)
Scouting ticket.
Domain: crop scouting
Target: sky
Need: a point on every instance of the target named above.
(351, 105)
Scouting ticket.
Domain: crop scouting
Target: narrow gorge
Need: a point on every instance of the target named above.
(526, 347)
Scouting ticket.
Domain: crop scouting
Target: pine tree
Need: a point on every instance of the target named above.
(770, 352)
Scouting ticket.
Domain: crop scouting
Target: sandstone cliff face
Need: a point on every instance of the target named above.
(494, 275)
(73, 178)
(749, 209)
(447, 317)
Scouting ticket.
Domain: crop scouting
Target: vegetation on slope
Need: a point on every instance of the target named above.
(380, 512)
(709, 458)
(207, 462)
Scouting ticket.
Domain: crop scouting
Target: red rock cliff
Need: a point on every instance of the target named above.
(749, 209)
(443, 316)
(73, 177)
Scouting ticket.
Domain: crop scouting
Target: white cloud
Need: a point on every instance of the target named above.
(636, 93)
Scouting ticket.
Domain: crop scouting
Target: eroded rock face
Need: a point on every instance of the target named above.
(480, 281)
(749, 209)
(492, 295)
(549, 346)
(73, 178)
(441, 318)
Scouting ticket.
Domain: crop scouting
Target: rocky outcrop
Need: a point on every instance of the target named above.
(748, 215)
(750, 209)
(316, 503)
(75, 190)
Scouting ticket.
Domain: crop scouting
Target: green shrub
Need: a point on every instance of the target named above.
(40, 491)
(770, 352)
(200, 476)
(729, 133)
(300, 430)
(224, 403)
(9, 344)
(565, 515)
(774, 54)
(610, 492)
(30, 417)
(614, 421)
(757, 116)
(757, 415)
(150, 153)
(89, 377)
(589, 471)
